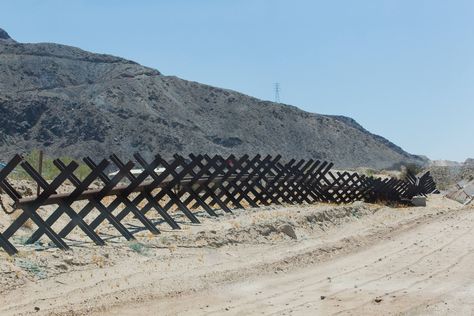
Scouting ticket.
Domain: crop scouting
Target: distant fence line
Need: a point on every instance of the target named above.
(185, 186)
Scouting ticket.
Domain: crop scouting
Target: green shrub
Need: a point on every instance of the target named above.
(31, 267)
(413, 169)
(138, 247)
(50, 171)
(370, 172)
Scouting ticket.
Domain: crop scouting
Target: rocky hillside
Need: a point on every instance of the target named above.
(76, 103)
(448, 174)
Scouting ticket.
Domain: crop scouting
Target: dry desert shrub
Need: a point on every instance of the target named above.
(138, 247)
(98, 261)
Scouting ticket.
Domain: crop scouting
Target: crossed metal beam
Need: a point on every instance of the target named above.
(185, 185)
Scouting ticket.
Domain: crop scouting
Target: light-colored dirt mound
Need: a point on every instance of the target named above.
(263, 226)
(236, 251)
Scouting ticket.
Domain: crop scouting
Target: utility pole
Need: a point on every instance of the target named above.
(40, 170)
(277, 92)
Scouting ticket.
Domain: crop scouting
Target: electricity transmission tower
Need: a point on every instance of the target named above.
(277, 92)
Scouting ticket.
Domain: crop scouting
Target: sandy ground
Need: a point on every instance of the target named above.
(358, 259)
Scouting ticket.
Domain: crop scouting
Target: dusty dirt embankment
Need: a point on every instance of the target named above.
(320, 259)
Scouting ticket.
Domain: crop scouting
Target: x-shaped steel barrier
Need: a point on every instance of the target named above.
(201, 182)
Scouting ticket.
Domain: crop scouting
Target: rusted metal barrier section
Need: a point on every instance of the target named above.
(209, 184)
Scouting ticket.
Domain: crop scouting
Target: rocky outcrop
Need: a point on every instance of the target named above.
(4, 35)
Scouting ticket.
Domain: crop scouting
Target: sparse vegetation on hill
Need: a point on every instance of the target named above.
(74, 103)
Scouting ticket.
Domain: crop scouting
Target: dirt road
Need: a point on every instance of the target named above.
(379, 260)
(427, 269)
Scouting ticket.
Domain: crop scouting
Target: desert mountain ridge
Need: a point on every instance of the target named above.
(70, 102)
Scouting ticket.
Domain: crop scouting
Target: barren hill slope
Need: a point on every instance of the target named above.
(76, 103)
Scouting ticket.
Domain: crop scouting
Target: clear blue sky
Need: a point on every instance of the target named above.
(403, 69)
